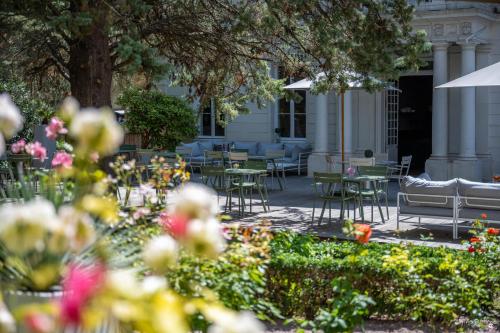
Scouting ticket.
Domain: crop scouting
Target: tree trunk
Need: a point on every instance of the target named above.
(90, 66)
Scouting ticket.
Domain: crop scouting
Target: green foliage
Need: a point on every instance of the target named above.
(238, 277)
(162, 121)
(32, 108)
(407, 282)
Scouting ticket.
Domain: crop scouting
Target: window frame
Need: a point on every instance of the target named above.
(213, 123)
(292, 113)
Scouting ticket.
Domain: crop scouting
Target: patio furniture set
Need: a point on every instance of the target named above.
(454, 200)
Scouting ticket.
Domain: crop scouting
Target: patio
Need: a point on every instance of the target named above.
(292, 209)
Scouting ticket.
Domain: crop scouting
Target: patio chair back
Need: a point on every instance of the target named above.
(276, 154)
(212, 157)
(333, 163)
(372, 170)
(238, 156)
(144, 156)
(255, 165)
(185, 152)
(361, 161)
(405, 165)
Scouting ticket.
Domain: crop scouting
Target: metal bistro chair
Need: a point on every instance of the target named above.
(144, 157)
(401, 170)
(361, 161)
(237, 157)
(260, 181)
(215, 177)
(330, 187)
(278, 164)
(213, 158)
(383, 187)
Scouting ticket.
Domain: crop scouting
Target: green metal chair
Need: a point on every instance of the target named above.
(260, 180)
(382, 187)
(213, 158)
(330, 187)
(215, 177)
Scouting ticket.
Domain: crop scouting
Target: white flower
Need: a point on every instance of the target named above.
(78, 226)
(69, 108)
(205, 237)
(195, 201)
(161, 253)
(11, 120)
(96, 131)
(243, 322)
(7, 322)
(153, 284)
(23, 227)
(124, 283)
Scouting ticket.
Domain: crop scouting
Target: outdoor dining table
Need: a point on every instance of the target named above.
(241, 174)
(360, 180)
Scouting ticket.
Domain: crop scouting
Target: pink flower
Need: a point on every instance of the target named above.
(18, 146)
(94, 157)
(79, 286)
(62, 159)
(36, 150)
(55, 127)
(176, 225)
(39, 323)
(351, 171)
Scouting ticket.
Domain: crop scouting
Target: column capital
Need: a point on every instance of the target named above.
(440, 45)
(468, 45)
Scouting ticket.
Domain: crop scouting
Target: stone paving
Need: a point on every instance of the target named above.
(292, 209)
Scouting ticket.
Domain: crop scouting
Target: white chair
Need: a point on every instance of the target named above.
(401, 170)
(381, 157)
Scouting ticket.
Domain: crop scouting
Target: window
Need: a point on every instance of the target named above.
(209, 124)
(292, 115)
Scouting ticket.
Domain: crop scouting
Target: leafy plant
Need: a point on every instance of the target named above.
(162, 121)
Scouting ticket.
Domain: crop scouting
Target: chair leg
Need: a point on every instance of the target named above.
(322, 212)
(329, 211)
(387, 206)
(372, 210)
(314, 208)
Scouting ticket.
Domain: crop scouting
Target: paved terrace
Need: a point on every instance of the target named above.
(292, 209)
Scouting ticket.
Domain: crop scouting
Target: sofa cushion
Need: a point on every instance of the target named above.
(426, 211)
(264, 147)
(299, 149)
(251, 147)
(195, 148)
(222, 146)
(437, 192)
(205, 145)
(488, 192)
(290, 146)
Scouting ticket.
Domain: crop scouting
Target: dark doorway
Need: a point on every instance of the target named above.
(415, 120)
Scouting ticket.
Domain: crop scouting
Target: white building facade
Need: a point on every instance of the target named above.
(449, 132)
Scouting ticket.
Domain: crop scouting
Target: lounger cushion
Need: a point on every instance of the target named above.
(426, 211)
(411, 185)
(197, 159)
(250, 146)
(290, 146)
(195, 148)
(468, 190)
(299, 149)
(475, 213)
(264, 147)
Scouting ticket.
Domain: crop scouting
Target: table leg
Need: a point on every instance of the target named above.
(275, 168)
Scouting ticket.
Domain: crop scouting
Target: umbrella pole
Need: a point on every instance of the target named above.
(342, 128)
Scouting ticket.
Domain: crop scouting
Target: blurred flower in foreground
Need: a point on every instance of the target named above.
(161, 253)
(7, 323)
(234, 322)
(195, 202)
(62, 159)
(11, 120)
(54, 128)
(37, 150)
(362, 233)
(18, 147)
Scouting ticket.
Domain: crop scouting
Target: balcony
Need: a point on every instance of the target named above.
(432, 5)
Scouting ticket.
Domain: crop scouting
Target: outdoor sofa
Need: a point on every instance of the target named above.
(454, 200)
(295, 158)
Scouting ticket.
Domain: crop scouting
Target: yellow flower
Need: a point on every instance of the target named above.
(105, 208)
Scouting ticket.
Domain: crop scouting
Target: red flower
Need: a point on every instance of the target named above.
(493, 231)
(475, 240)
(79, 286)
(363, 233)
(471, 249)
(176, 225)
(484, 216)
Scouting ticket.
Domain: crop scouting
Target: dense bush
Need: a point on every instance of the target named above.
(33, 110)
(406, 281)
(162, 121)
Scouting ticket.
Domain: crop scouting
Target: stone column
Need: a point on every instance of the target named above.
(317, 160)
(468, 101)
(321, 124)
(440, 102)
(437, 166)
(467, 165)
(347, 123)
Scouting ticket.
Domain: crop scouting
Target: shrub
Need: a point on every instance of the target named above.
(162, 121)
(419, 283)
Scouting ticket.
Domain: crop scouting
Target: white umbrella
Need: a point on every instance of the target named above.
(488, 76)
(306, 84)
